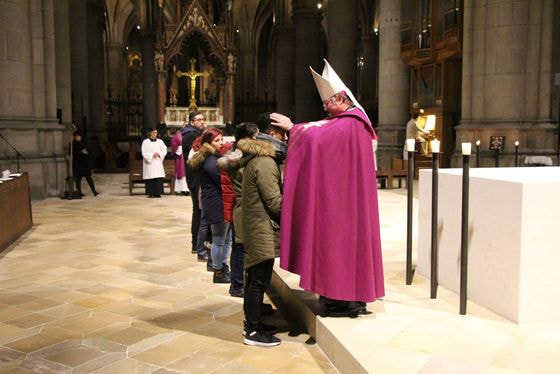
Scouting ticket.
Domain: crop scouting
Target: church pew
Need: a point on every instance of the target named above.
(135, 175)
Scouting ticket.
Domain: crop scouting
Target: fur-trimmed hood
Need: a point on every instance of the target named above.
(201, 155)
(256, 148)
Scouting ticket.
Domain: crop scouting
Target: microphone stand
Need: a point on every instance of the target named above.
(18, 155)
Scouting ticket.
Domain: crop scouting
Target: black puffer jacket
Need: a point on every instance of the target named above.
(204, 163)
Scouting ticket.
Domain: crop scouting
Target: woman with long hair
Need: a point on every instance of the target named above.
(205, 161)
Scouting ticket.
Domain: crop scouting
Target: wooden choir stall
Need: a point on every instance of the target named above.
(15, 208)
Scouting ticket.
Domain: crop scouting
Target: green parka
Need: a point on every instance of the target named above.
(261, 201)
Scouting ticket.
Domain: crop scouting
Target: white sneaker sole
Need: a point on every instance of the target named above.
(259, 344)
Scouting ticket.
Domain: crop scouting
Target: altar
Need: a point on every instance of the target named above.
(177, 116)
(514, 236)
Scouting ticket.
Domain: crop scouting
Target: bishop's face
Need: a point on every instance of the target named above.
(153, 134)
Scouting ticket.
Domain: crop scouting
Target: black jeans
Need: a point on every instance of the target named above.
(236, 264)
(196, 213)
(89, 181)
(256, 283)
(154, 187)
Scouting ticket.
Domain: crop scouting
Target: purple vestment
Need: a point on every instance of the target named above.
(176, 143)
(329, 233)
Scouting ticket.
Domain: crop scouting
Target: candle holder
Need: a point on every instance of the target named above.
(478, 153)
(516, 152)
(497, 158)
(434, 248)
(409, 206)
(464, 230)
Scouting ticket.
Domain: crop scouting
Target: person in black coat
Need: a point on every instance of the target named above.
(81, 163)
(190, 132)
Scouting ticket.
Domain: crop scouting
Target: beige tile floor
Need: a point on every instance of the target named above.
(108, 285)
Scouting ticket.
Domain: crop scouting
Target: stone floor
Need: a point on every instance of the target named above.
(108, 285)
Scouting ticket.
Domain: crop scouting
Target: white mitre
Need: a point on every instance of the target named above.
(329, 83)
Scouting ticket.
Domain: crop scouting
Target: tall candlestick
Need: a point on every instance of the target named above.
(410, 144)
(466, 148)
(434, 247)
(435, 146)
(464, 236)
(516, 152)
(409, 206)
(478, 153)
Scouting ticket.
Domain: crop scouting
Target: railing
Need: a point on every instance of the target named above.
(123, 119)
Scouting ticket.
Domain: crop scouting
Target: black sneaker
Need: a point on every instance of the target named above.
(267, 329)
(221, 277)
(209, 264)
(202, 258)
(259, 339)
(236, 292)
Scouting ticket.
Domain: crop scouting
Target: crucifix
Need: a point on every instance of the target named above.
(192, 74)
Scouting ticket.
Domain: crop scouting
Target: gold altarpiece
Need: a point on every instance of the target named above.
(218, 39)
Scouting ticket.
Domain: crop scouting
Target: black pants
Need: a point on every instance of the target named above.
(154, 187)
(196, 212)
(256, 283)
(89, 181)
(236, 264)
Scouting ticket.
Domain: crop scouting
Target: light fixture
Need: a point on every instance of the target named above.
(138, 27)
(126, 48)
(237, 31)
(319, 5)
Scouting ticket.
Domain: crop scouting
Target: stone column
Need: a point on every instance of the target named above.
(115, 71)
(62, 60)
(343, 39)
(307, 23)
(28, 99)
(507, 79)
(370, 73)
(161, 96)
(96, 72)
(149, 90)
(229, 112)
(79, 63)
(393, 85)
(284, 53)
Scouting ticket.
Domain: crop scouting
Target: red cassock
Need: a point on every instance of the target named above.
(329, 232)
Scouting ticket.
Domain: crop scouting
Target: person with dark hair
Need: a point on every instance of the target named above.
(205, 161)
(192, 130)
(153, 153)
(231, 164)
(81, 164)
(260, 218)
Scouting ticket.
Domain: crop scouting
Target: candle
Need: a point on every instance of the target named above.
(477, 143)
(466, 149)
(517, 143)
(435, 146)
(410, 145)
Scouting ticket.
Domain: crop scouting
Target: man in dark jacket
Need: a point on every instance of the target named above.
(190, 132)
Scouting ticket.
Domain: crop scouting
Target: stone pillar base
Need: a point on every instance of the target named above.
(391, 144)
(44, 147)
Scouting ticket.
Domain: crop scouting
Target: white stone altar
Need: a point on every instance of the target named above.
(176, 116)
(514, 238)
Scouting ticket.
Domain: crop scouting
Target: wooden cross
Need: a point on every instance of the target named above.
(192, 74)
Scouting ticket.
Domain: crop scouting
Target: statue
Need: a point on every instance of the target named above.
(231, 62)
(174, 87)
(159, 61)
